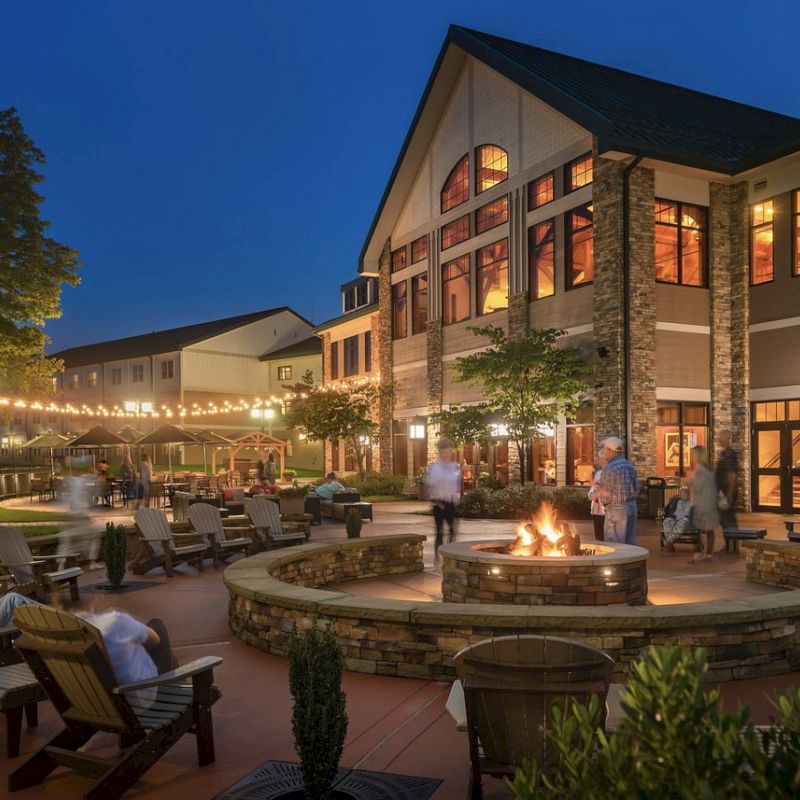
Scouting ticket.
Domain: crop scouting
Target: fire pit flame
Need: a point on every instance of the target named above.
(541, 537)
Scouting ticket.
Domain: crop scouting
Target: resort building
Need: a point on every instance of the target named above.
(658, 226)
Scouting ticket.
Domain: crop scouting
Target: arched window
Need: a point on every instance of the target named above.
(456, 188)
(491, 167)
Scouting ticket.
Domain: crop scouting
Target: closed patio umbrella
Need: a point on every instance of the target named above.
(47, 441)
(210, 437)
(169, 434)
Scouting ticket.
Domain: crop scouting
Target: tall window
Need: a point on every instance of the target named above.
(350, 356)
(762, 267)
(491, 167)
(368, 351)
(334, 360)
(349, 298)
(542, 259)
(116, 376)
(285, 373)
(455, 232)
(492, 266)
(137, 373)
(680, 243)
(74, 381)
(398, 259)
(578, 173)
(541, 191)
(679, 428)
(419, 303)
(580, 246)
(456, 188)
(492, 214)
(399, 324)
(419, 249)
(167, 370)
(399, 447)
(91, 380)
(580, 446)
(455, 290)
(796, 234)
(362, 293)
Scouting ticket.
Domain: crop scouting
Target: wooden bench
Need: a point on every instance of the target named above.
(735, 535)
(19, 690)
(791, 534)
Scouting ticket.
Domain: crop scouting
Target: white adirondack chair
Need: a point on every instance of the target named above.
(164, 548)
(269, 528)
(207, 520)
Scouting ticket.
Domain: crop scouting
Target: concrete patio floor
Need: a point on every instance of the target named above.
(396, 725)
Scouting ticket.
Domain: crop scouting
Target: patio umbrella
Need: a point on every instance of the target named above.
(169, 434)
(130, 435)
(47, 441)
(94, 438)
(209, 437)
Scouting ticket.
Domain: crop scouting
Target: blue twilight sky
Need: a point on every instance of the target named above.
(215, 158)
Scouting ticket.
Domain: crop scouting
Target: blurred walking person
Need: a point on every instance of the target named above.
(443, 485)
(727, 475)
(703, 493)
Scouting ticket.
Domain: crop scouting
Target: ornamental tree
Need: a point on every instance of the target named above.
(463, 425)
(33, 267)
(527, 381)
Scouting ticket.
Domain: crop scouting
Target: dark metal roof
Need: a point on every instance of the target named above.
(310, 346)
(160, 341)
(627, 112)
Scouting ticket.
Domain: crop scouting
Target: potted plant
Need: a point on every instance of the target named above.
(289, 475)
(293, 499)
(353, 523)
(116, 555)
(319, 716)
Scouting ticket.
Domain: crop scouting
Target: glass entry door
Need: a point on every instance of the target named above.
(776, 467)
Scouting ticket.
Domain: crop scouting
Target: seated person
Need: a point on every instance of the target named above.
(676, 516)
(331, 486)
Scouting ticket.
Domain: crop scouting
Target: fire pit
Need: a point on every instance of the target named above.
(547, 565)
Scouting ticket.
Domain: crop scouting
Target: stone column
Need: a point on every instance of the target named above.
(433, 332)
(729, 280)
(382, 337)
(327, 447)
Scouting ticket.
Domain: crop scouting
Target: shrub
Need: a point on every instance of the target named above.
(116, 554)
(319, 716)
(295, 490)
(289, 475)
(353, 523)
(675, 741)
(375, 483)
(516, 502)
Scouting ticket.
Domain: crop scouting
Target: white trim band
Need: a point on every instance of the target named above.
(775, 393)
(680, 327)
(683, 393)
(772, 325)
(409, 365)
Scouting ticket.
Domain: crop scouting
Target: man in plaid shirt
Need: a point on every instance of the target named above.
(619, 487)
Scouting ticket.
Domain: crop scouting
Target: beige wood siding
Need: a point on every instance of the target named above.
(683, 359)
(775, 358)
(685, 305)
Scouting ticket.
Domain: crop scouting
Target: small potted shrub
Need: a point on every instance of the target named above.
(289, 475)
(293, 498)
(352, 524)
(116, 555)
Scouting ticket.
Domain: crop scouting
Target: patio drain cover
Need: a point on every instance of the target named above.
(276, 779)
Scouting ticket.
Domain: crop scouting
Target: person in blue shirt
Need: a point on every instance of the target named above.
(330, 487)
(618, 489)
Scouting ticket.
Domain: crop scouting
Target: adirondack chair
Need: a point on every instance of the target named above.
(510, 685)
(207, 521)
(68, 657)
(28, 572)
(164, 548)
(269, 528)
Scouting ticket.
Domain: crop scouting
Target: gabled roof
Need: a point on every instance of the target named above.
(346, 317)
(310, 346)
(156, 342)
(626, 112)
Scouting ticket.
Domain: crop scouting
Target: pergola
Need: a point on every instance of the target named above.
(258, 440)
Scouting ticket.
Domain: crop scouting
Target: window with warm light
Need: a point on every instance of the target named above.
(492, 277)
(542, 259)
(398, 259)
(350, 356)
(492, 214)
(419, 249)
(74, 381)
(491, 167)
(455, 232)
(91, 380)
(419, 303)
(578, 173)
(796, 232)
(762, 265)
(541, 191)
(167, 370)
(580, 246)
(116, 376)
(399, 316)
(334, 358)
(455, 290)
(680, 243)
(285, 373)
(456, 188)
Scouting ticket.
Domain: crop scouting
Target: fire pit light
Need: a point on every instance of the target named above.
(540, 537)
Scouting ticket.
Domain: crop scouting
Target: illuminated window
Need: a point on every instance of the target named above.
(350, 356)
(492, 277)
(167, 370)
(679, 428)
(680, 243)
(368, 351)
(455, 290)
(116, 376)
(334, 352)
(74, 381)
(580, 246)
(542, 259)
(455, 232)
(285, 373)
(492, 214)
(398, 259)
(456, 188)
(491, 167)
(762, 267)
(399, 323)
(419, 249)
(419, 303)
(54, 383)
(541, 191)
(91, 380)
(137, 373)
(796, 236)
(578, 173)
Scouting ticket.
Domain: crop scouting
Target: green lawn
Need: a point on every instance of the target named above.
(24, 515)
(384, 498)
(32, 531)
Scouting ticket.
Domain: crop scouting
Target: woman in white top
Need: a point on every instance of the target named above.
(704, 511)
(597, 511)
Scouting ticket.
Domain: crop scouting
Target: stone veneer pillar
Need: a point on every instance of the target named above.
(433, 333)
(382, 336)
(327, 447)
(518, 323)
(729, 282)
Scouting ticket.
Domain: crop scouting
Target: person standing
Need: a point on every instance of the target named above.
(145, 475)
(597, 511)
(443, 484)
(271, 469)
(618, 489)
(727, 476)
(703, 502)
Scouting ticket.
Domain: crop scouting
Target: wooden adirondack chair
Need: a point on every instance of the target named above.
(68, 657)
(510, 685)
(164, 548)
(28, 572)
(207, 521)
(269, 528)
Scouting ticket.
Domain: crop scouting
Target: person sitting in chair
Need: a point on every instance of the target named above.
(676, 516)
(331, 486)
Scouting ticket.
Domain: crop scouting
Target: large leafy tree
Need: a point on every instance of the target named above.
(463, 425)
(33, 267)
(345, 411)
(527, 381)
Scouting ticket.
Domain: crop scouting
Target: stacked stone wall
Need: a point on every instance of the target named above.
(382, 337)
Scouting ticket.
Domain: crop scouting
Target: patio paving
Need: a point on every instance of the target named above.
(396, 725)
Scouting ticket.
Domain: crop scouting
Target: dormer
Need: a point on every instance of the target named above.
(359, 292)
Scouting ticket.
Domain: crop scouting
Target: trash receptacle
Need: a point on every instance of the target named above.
(655, 496)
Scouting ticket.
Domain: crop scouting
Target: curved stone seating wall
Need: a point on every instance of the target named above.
(773, 563)
(273, 593)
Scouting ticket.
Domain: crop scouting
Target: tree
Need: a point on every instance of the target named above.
(464, 425)
(528, 382)
(33, 267)
(343, 412)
